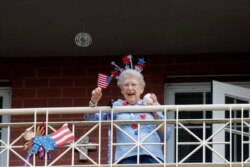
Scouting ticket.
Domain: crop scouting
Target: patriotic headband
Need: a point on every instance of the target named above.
(104, 80)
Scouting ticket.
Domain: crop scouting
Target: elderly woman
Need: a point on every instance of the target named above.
(131, 83)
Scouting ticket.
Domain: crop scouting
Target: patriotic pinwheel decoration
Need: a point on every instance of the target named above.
(140, 65)
(39, 144)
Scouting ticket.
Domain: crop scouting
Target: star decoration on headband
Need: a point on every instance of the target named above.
(140, 65)
(126, 60)
(141, 61)
(103, 81)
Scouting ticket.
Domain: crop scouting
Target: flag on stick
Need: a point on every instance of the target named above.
(103, 80)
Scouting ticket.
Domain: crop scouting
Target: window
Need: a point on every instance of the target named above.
(4, 103)
(196, 93)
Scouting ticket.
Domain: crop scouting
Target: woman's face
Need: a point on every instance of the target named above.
(131, 89)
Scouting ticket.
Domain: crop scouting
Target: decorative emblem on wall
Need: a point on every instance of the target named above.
(83, 39)
(89, 146)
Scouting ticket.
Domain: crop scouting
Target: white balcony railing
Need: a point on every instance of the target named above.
(233, 126)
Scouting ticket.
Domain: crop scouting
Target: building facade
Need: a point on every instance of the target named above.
(33, 82)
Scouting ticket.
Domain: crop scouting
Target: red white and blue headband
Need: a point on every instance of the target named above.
(104, 80)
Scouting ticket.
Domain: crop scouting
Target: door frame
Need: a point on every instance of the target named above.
(219, 91)
(169, 99)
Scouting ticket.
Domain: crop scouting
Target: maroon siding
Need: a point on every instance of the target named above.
(68, 81)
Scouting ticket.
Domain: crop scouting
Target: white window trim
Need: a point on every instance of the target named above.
(5, 92)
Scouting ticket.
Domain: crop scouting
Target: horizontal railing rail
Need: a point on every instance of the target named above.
(90, 135)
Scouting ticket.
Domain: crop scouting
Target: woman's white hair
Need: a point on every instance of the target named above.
(130, 72)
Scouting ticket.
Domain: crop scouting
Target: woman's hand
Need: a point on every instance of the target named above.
(96, 95)
(150, 99)
(153, 96)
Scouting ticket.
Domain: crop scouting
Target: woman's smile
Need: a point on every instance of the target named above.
(131, 89)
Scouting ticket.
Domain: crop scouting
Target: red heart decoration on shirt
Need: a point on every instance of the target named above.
(143, 116)
(134, 126)
(125, 103)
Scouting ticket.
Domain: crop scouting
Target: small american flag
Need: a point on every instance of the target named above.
(62, 136)
(103, 80)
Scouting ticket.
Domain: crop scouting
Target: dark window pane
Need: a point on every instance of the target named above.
(209, 114)
(193, 98)
(189, 98)
(208, 98)
(230, 100)
(238, 101)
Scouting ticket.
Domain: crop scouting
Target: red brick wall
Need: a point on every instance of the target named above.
(68, 81)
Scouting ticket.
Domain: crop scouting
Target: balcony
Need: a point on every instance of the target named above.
(226, 145)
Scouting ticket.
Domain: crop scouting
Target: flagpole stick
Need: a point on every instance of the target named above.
(130, 59)
(113, 63)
